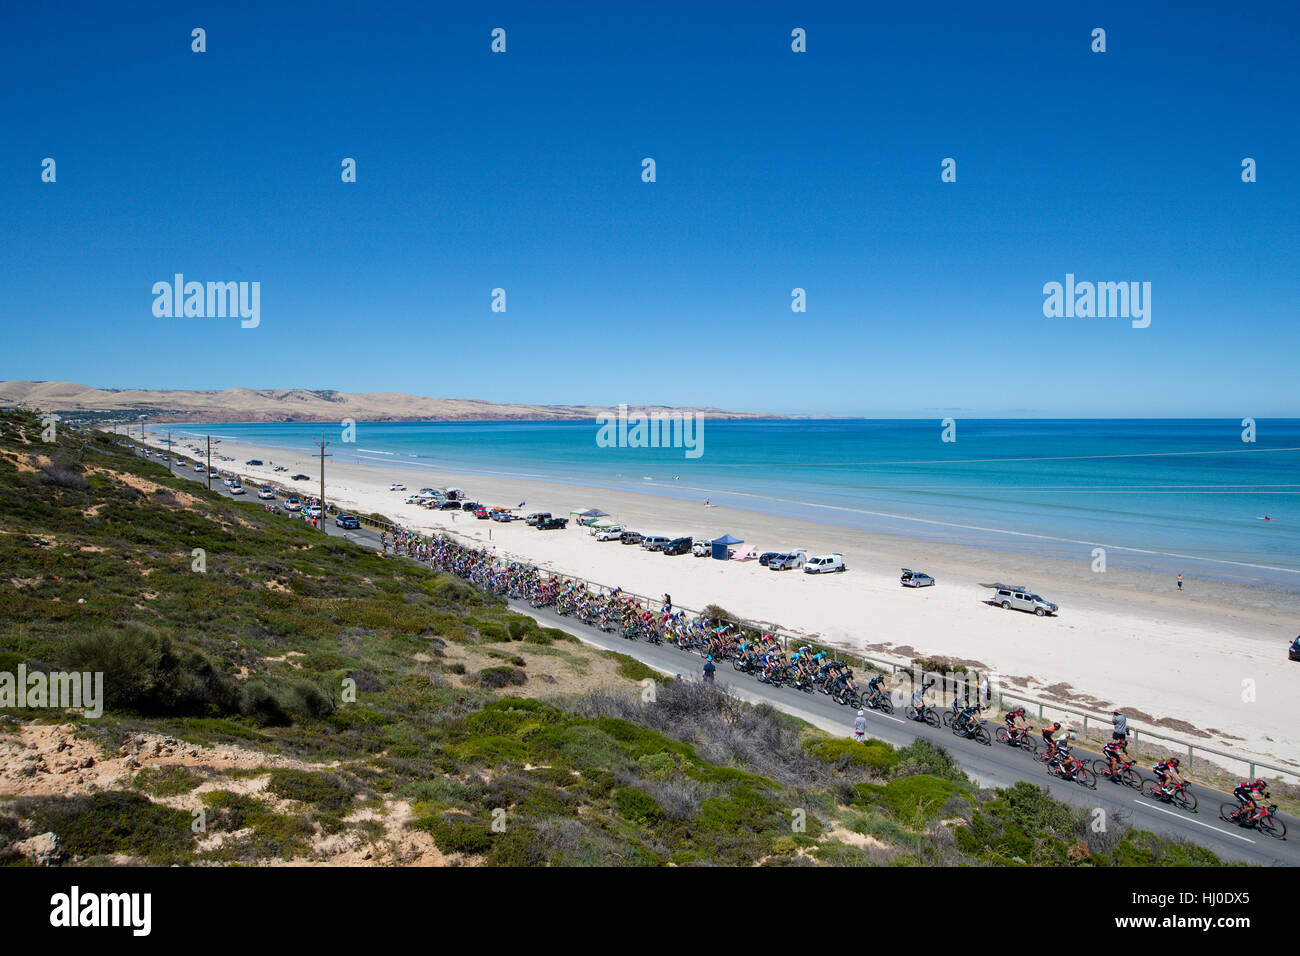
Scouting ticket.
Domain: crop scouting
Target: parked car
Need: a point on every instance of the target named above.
(631, 537)
(550, 524)
(300, 477)
(397, 486)
(430, 491)
(537, 516)
(481, 513)
(1294, 653)
(253, 461)
(1008, 596)
(236, 489)
(292, 504)
(266, 494)
(281, 468)
(654, 542)
(212, 473)
(348, 521)
(788, 561)
(823, 563)
(678, 546)
(470, 506)
(915, 579)
(500, 514)
(610, 534)
(767, 556)
(702, 548)
(449, 505)
(312, 511)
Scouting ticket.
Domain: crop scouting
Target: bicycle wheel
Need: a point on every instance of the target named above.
(946, 719)
(1186, 799)
(982, 736)
(1100, 767)
(886, 705)
(1130, 778)
(911, 713)
(1027, 742)
(1085, 778)
(1227, 810)
(931, 717)
(1272, 826)
(1002, 736)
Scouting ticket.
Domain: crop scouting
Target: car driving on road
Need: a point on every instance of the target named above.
(348, 521)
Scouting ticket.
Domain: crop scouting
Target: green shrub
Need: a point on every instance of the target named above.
(456, 834)
(166, 781)
(323, 790)
(637, 805)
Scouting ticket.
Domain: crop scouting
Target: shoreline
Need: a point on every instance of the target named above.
(1123, 637)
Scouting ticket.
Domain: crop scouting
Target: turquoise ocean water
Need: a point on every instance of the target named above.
(1177, 495)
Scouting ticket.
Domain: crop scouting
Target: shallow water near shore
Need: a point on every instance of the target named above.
(1159, 495)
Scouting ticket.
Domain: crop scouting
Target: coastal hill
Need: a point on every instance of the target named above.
(298, 405)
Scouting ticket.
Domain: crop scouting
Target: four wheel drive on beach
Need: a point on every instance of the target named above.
(789, 560)
(551, 524)
(537, 516)
(915, 579)
(1008, 596)
(824, 563)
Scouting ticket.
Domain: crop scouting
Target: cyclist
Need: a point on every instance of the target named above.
(1246, 792)
(918, 697)
(1014, 720)
(1114, 751)
(968, 716)
(1167, 775)
(1047, 737)
(1061, 752)
(875, 687)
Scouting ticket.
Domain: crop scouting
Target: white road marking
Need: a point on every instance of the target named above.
(1152, 806)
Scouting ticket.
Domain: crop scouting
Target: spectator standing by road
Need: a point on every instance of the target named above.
(709, 669)
(860, 726)
(1120, 727)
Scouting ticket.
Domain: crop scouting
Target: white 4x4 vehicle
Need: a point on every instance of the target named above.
(397, 486)
(823, 563)
(610, 534)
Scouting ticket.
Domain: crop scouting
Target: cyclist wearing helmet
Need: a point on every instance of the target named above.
(1047, 737)
(1167, 775)
(1114, 751)
(875, 686)
(1061, 752)
(1014, 720)
(1247, 791)
(918, 695)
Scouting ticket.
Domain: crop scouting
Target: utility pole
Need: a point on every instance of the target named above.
(170, 456)
(209, 468)
(323, 456)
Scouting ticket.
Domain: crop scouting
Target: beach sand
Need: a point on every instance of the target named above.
(1209, 660)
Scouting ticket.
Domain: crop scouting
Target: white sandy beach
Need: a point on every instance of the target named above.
(1183, 662)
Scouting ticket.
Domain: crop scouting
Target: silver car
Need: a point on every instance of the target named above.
(1008, 597)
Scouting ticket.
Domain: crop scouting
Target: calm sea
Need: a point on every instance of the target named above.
(1169, 495)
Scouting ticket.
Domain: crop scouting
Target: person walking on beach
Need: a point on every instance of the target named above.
(860, 726)
(1180, 582)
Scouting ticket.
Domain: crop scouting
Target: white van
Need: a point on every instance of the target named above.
(823, 563)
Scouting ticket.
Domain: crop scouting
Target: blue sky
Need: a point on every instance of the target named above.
(775, 170)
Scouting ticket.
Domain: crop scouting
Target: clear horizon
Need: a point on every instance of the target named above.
(775, 171)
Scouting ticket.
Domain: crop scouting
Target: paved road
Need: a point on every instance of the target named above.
(997, 765)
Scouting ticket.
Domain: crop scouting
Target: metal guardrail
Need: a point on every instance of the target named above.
(961, 683)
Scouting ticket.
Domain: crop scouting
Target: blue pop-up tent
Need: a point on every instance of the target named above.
(720, 546)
